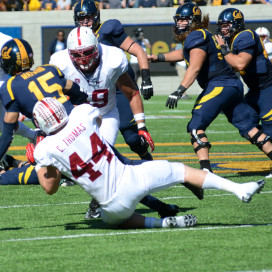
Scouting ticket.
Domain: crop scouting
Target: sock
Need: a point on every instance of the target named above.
(24, 131)
(152, 222)
(153, 203)
(213, 181)
(205, 164)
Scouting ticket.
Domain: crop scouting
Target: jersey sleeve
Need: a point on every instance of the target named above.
(115, 31)
(197, 39)
(41, 155)
(244, 42)
(6, 92)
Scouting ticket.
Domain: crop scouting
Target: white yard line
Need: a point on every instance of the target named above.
(84, 202)
(128, 233)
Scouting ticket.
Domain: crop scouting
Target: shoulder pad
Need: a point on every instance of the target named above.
(112, 27)
(196, 38)
(53, 68)
(243, 40)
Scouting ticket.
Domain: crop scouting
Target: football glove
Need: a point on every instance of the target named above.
(144, 133)
(173, 98)
(146, 86)
(30, 150)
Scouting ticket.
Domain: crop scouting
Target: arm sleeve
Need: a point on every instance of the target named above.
(197, 39)
(41, 156)
(244, 42)
(116, 31)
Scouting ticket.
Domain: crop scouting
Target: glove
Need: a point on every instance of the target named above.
(173, 98)
(30, 153)
(30, 150)
(146, 86)
(145, 134)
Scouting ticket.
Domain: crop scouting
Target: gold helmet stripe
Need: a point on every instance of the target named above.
(24, 55)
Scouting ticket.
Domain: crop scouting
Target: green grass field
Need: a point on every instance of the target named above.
(39, 232)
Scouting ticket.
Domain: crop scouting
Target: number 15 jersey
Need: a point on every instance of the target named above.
(29, 87)
(100, 85)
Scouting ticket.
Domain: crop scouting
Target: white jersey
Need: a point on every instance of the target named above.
(80, 153)
(100, 85)
(268, 48)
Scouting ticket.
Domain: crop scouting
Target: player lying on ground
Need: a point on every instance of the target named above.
(74, 147)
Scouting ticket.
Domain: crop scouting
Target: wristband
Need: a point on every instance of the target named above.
(145, 74)
(181, 89)
(140, 125)
(161, 58)
(224, 50)
(139, 116)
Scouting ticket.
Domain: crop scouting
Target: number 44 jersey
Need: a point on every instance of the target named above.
(79, 152)
(28, 87)
(100, 85)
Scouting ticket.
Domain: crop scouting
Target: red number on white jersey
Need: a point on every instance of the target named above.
(76, 162)
(100, 98)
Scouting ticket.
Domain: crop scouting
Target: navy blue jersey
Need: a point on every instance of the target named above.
(29, 87)
(111, 33)
(215, 67)
(258, 74)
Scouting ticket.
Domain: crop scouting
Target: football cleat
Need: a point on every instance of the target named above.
(94, 210)
(168, 210)
(249, 189)
(66, 182)
(184, 221)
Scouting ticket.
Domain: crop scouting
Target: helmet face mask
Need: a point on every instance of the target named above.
(86, 13)
(263, 33)
(186, 14)
(49, 115)
(233, 18)
(17, 56)
(83, 49)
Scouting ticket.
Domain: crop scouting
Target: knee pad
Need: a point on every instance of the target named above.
(254, 139)
(196, 138)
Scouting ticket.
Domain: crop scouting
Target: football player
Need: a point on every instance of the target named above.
(243, 49)
(264, 34)
(98, 68)
(75, 148)
(222, 90)
(111, 32)
(25, 87)
(21, 130)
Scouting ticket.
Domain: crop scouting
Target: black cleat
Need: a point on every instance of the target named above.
(168, 210)
(198, 192)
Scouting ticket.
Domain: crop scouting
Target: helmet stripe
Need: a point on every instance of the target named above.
(50, 109)
(78, 36)
(81, 3)
(23, 53)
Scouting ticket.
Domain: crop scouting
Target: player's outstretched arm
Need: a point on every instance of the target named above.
(197, 58)
(75, 92)
(49, 178)
(126, 85)
(135, 49)
(173, 56)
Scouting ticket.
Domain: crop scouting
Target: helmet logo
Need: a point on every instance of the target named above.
(196, 11)
(6, 52)
(237, 14)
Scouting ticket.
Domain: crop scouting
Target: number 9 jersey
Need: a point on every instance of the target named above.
(27, 88)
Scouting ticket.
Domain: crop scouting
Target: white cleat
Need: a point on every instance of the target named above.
(269, 175)
(187, 220)
(249, 189)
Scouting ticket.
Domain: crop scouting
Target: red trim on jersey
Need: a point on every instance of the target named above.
(78, 36)
(50, 109)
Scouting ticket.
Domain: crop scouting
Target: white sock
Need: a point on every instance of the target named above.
(213, 181)
(152, 222)
(25, 131)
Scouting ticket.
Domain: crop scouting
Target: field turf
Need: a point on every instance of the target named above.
(39, 232)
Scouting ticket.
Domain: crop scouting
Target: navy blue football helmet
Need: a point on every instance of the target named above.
(85, 8)
(234, 17)
(16, 56)
(187, 11)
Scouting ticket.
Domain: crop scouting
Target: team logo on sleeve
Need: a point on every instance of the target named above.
(196, 11)
(237, 14)
(6, 52)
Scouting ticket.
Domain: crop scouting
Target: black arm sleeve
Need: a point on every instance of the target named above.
(77, 97)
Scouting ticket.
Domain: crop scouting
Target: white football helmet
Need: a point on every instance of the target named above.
(83, 49)
(49, 115)
(263, 31)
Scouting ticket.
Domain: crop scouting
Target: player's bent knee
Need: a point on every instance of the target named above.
(196, 138)
(254, 139)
